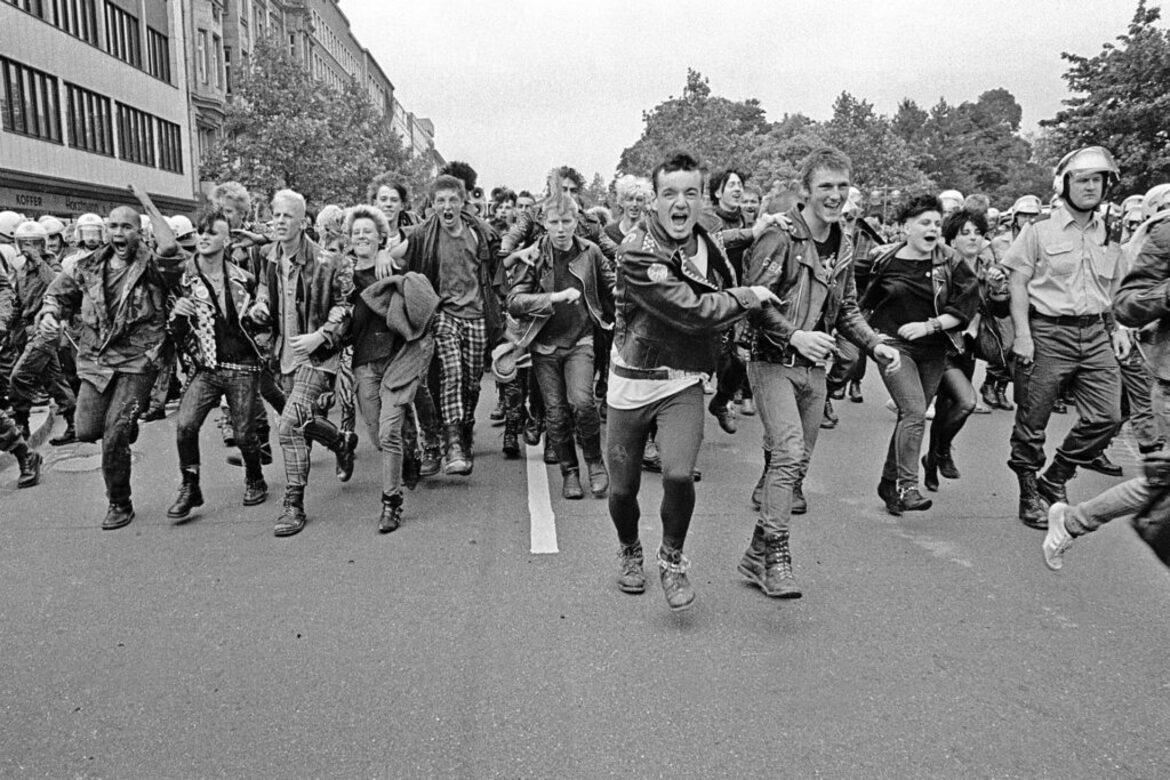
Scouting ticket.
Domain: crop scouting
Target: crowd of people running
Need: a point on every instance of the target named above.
(605, 329)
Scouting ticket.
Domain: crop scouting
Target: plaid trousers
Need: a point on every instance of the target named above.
(460, 345)
(301, 389)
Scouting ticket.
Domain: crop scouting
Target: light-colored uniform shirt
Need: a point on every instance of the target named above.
(1071, 271)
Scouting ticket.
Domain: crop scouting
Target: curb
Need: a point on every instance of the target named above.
(40, 432)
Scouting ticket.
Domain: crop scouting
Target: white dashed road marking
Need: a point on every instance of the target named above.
(540, 512)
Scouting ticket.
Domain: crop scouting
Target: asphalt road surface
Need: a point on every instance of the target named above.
(931, 645)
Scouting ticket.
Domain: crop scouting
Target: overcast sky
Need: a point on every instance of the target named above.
(517, 87)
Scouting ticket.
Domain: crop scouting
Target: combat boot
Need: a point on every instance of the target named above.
(292, 517)
(69, 435)
(456, 460)
(30, 467)
(391, 516)
(631, 577)
(672, 569)
(190, 496)
(119, 514)
(571, 487)
(513, 425)
(751, 565)
(1001, 396)
(1051, 482)
(1033, 507)
(598, 478)
(778, 580)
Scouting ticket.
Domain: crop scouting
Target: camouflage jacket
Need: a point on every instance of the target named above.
(126, 335)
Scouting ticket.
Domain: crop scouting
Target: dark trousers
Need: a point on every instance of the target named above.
(9, 354)
(911, 386)
(680, 433)
(112, 417)
(39, 366)
(954, 403)
(566, 382)
(201, 396)
(1081, 360)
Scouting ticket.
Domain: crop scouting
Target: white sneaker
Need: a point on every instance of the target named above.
(1057, 539)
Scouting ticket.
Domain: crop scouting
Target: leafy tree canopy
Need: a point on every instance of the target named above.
(1121, 100)
(286, 129)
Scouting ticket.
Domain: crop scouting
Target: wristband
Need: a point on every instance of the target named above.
(934, 325)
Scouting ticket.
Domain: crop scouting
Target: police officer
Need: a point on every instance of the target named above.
(1064, 270)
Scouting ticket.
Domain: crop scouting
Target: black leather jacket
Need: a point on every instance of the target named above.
(786, 262)
(667, 313)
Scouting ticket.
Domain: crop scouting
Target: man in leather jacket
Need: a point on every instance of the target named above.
(674, 296)
(809, 268)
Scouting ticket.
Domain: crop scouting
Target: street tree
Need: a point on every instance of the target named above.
(286, 129)
(721, 131)
(1120, 100)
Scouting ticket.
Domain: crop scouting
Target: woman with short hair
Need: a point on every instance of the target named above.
(920, 297)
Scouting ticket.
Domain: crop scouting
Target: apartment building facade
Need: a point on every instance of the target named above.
(94, 98)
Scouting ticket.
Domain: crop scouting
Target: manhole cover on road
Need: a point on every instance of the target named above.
(80, 463)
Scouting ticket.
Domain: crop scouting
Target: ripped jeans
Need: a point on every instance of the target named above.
(112, 416)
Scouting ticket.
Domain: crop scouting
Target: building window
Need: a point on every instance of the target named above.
(78, 18)
(31, 102)
(135, 135)
(123, 39)
(227, 68)
(201, 62)
(170, 146)
(34, 7)
(158, 55)
(91, 121)
(217, 53)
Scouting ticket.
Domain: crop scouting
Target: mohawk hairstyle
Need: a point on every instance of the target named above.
(462, 171)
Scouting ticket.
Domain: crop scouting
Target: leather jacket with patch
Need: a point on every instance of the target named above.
(668, 314)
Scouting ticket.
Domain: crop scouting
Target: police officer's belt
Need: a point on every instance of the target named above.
(1075, 320)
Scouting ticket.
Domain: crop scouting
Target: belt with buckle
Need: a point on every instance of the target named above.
(252, 368)
(629, 372)
(1074, 320)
